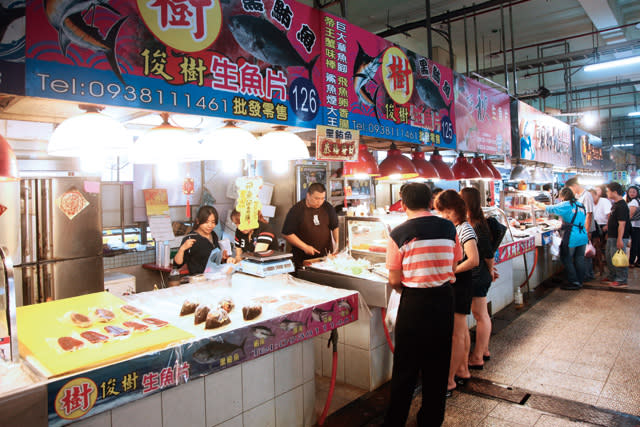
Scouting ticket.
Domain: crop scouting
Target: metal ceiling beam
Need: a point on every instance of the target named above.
(452, 15)
(599, 87)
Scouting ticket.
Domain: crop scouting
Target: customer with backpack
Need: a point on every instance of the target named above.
(634, 212)
(574, 236)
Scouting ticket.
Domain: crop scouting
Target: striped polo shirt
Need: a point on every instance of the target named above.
(425, 248)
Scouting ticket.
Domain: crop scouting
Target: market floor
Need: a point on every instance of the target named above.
(570, 359)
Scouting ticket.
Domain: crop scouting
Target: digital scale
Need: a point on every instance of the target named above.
(269, 263)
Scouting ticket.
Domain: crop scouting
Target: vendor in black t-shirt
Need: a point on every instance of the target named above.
(259, 239)
(197, 245)
(311, 226)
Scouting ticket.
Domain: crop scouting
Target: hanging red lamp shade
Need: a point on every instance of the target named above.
(441, 167)
(8, 163)
(425, 169)
(485, 172)
(365, 165)
(462, 169)
(496, 172)
(396, 166)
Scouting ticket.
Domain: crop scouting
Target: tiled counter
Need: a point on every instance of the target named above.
(277, 389)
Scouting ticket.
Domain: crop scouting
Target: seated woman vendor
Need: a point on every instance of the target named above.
(196, 247)
(259, 239)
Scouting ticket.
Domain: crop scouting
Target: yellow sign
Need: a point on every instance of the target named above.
(78, 333)
(397, 75)
(189, 26)
(76, 398)
(156, 201)
(248, 203)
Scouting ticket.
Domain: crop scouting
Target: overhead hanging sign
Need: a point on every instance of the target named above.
(382, 90)
(335, 144)
(483, 123)
(587, 151)
(252, 60)
(538, 136)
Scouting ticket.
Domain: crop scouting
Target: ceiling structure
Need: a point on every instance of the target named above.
(553, 40)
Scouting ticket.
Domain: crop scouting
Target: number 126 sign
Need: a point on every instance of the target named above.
(336, 144)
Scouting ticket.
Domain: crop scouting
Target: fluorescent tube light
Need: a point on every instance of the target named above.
(613, 64)
(634, 114)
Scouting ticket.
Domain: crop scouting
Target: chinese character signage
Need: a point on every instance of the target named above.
(382, 90)
(482, 118)
(335, 144)
(248, 203)
(587, 151)
(244, 59)
(538, 136)
(512, 250)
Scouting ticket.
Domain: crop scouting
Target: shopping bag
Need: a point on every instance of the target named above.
(556, 241)
(590, 251)
(392, 309)
(620, 259)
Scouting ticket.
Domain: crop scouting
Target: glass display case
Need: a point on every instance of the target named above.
(520, 208)
(367, 236)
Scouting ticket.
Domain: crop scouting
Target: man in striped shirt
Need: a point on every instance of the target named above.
(421, 258)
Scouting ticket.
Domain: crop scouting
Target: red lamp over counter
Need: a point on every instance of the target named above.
(441, 167)
(396, 166)
(496, 172)
(424, 168)
(8, 163)
(365, 165)
(482, 168)
(462, 169)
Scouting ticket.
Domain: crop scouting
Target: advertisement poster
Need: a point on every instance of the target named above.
(587, 151)
(539, 137)
(382, 90)
(12, 46)
(156, 201)
(253, 60)
(335, 144)
(482, 118)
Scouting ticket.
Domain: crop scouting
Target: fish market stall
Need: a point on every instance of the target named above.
(206, 352)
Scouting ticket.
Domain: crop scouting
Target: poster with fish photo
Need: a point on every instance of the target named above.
(12, 46)
(385, 91)
(253, 60)
(483, 123)
(539, 137)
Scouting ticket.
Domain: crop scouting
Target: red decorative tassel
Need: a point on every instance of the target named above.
(188, 208)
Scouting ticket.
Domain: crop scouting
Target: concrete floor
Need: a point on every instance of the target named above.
(583, 346)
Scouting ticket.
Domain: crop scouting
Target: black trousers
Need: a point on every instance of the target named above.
(634, 255)
(423, 343)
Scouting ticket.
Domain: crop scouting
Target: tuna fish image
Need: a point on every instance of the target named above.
(216, 350)
(266, 42)
(429, 93)
(66, 17)
(262, 332)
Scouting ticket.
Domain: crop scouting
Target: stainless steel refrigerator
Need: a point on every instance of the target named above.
(58, 249)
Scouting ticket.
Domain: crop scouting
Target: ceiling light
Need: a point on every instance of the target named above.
(441, 167)
(425, 169)
(396, 166)
(634, 114)
(485, 172)
(108, 136)
(589, 119)
(8, 163)
(280, 144)
(462, 169)
(229, 142)
(539, 176)
(613, 64)
(496, 173)
(519, 173)
(365, 166)
(165, 144)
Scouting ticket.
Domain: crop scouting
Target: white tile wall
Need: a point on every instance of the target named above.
(308, 357)
(223, 395)
(288, 368)
(317, 353)
(357, 367)
(381, 365)
(145, 412)
(261, 416)
(309, 396)
(100, 420)
(184, 405)
(358, 333)
(327, 361)
(233, 422)
(257, 381)
(290, 408)
(377, 336)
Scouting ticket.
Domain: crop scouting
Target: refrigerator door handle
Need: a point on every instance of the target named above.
(28, 200)
(46, 229)
(46, 290)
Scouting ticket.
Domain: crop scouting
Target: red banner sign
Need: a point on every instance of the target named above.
(512, 250)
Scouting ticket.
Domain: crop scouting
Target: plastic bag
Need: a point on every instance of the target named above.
(392, 309)
(590, 251)
(620, 259)
(556, 241)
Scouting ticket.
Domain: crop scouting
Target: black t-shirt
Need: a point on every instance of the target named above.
(197, 256)
(619, 212)
(263, 234)
(481, 272)
(312, 226)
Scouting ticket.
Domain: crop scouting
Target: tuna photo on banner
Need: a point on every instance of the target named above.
(243, 59)
(382, 90)
(482, 118)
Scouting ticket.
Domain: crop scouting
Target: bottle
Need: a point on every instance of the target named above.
(518, 298)
(174, 277)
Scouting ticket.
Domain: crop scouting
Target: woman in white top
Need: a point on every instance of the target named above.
(634, 205)
(601, 209)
